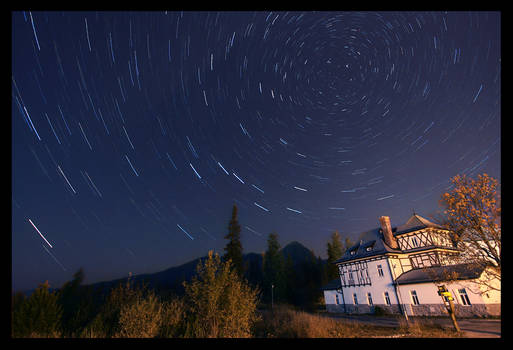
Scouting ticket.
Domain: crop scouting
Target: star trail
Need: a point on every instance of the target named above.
(134, 133)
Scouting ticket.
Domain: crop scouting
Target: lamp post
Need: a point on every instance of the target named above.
(272, 296)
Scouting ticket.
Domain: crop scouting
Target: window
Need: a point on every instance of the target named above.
(355, 299)
(336, 299)
(464, 297)
(368, 249)
(414, 297)
(380, 271)
(351, 278)
(369, 299)
(414, 242)
(387, 298)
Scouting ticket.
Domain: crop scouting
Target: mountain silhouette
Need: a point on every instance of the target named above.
(297, 252)
(173, 277)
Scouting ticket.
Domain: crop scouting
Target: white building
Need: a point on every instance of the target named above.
(399, 270)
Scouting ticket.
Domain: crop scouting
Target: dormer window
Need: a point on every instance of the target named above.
(368, 249)
(353, 252)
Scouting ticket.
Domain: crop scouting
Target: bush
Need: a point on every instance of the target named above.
(141, 318)
(39, 316)
(219, 302)
(173, 319)
(105, 323)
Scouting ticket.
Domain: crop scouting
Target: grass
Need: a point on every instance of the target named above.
(285, 322)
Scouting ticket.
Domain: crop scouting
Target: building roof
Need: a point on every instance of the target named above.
(374, 239)
(332, 285)
(440, 273)
(414, 223)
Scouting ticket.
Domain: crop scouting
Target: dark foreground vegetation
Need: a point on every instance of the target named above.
(217, 303)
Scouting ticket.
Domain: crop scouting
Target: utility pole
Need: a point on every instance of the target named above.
(447, 299)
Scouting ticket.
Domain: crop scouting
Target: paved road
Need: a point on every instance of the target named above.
(473, 328)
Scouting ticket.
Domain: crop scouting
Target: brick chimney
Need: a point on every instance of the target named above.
(387, 232)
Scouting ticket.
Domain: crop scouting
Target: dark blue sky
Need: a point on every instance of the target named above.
(134, 133)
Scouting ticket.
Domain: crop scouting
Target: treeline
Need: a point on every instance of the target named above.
(281, 279)
(223, 299)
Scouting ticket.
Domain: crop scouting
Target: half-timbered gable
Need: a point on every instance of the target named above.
(426, 243)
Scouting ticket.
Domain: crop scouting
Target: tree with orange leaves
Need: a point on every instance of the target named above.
(473, 215)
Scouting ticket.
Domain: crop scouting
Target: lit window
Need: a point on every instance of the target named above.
(369, 299)
(355, 299)
(414, 297)
(464, 297)
(387, 298)
(380, 271)
(369, 249)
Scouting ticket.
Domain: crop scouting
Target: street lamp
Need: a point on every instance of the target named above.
(272, 296)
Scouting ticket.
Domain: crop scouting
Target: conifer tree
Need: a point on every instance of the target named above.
(335, 250)
(233, 248)
(274, 281)
(78, 304)
(290, 280)
(347, 244)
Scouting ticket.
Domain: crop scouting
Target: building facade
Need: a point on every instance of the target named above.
(398, 270)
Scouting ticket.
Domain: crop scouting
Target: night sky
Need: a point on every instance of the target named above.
(134, 133)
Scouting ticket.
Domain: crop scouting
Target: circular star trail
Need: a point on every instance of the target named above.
(134, 133)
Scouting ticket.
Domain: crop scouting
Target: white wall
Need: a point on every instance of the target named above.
(330, 297)
(377, 289)
(427, 293)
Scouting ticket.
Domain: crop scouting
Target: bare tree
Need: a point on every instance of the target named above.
(473, 216)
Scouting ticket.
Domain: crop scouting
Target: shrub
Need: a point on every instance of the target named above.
(173, 318)
(141, 318)
(219, 302)
(39, 316)
(105, 323)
